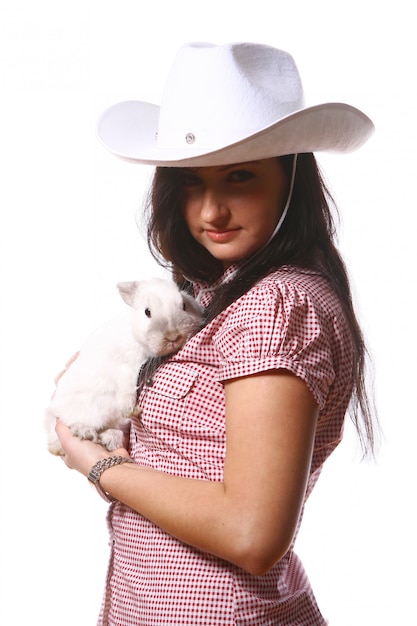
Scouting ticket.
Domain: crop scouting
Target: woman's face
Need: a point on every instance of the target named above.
(232, 210)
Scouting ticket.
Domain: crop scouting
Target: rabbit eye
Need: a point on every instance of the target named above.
(184, 306)
(148, 312)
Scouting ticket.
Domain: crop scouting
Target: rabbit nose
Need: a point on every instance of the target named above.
(174, 337)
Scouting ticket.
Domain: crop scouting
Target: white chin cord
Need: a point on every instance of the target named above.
(287, 204)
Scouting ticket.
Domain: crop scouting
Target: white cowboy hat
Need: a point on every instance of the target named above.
(229, 104)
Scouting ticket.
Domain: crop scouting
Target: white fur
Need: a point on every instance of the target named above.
(97, 393)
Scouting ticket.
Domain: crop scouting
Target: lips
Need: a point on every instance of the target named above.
(221, 236)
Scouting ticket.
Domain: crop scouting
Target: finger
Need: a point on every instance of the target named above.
(58, 376)
(66, 366)
(60, 427)
(72, 359)
(63, 432)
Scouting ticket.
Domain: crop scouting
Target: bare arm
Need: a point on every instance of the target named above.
(250, 517)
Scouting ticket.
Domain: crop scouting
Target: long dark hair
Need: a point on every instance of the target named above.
(306, 240)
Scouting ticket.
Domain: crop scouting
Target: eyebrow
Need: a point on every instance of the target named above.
(232, 165)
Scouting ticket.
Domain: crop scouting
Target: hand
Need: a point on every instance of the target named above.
(81, 455)
(67, 365)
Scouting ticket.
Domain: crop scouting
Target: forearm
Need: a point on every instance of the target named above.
(199, 513)
(196, 512)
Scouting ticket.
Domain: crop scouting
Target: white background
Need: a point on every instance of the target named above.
(68, 234)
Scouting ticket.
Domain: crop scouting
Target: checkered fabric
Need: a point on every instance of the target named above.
(291, 320)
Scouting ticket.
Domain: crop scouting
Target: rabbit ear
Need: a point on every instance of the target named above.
(192, 304)
(128, 290)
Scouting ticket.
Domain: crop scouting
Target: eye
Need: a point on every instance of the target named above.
(190, 180)
(184, 306)
(148, 312)
(240, 176)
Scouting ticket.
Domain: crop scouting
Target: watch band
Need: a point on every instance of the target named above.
(100, 467)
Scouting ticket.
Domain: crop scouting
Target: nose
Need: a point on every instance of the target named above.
(174, 337)
(213, 208)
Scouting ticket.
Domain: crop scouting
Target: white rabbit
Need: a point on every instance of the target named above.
(97, 393)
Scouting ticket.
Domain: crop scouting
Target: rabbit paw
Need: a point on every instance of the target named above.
(111, 439)
(84, 432)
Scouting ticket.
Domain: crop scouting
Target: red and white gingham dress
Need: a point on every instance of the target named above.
(289, 320)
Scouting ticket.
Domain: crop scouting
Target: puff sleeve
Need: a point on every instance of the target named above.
(285, 325)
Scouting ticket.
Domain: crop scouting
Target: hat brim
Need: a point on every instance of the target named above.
(129, 130)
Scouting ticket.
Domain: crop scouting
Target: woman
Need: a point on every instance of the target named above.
(236, 426)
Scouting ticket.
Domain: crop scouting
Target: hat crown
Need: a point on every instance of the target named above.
(216, 94)
(229, 104)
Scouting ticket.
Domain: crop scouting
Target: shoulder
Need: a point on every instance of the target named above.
(287, 290)
(289, 320)
(289, 308)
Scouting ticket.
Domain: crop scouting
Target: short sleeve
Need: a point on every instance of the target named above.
(285, 326)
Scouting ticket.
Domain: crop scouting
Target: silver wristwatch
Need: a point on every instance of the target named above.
(100, 467)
